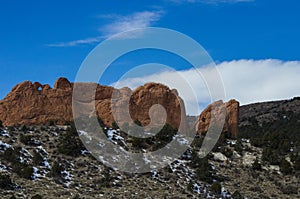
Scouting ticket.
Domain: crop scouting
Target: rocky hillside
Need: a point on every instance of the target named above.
(269, 118)
(51, 162)
(266, 112)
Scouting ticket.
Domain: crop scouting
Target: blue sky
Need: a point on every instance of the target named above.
(44, 40)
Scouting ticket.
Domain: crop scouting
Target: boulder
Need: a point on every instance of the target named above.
(219, 157)
(231, 119)
(145, 97)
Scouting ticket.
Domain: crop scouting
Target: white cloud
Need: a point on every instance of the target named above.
(248, 81)
(130, 22)
(119, 23)
(76, 42)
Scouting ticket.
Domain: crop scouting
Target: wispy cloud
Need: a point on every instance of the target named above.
(134, 21)
(118, 24)
(77, 42)
(248, 81)
(210, 1)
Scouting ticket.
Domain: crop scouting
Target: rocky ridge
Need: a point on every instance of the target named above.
(50, 173)
(33, 104)
(265, 112)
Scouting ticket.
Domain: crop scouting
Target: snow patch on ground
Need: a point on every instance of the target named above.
(35, 174)
(180, 139)
(3, 167)
(67, 176)
(46, 164)
(115, 137)
(42, 150)
(85, 152)
(4, 146)
(4, 133)
(147, 161)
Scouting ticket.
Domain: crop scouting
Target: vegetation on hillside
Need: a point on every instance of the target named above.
(279, 139)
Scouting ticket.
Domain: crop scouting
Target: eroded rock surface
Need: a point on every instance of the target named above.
(231, 109)
(33, 103)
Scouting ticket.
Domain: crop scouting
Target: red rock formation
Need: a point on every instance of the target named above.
(30, 103)
(144, 97)
(33, 103)
(62, 83)
(231, 119)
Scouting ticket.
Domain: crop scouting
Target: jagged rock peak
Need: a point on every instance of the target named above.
(62, 83)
